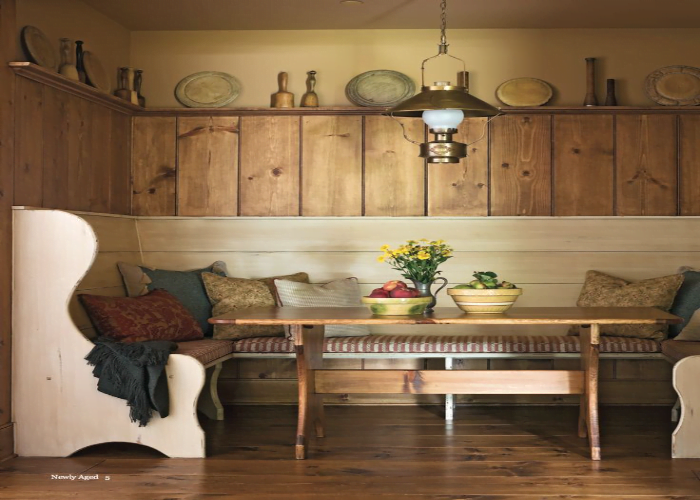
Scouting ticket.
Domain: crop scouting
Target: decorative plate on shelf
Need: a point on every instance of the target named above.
(95, 72)
(674, 86)
(380, 87)
(524, 92)
(208, 89)
(38, 47)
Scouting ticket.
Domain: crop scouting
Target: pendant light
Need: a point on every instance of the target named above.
(443, 106)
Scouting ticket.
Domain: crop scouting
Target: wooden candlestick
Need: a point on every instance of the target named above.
(610, 99)
(591, 99)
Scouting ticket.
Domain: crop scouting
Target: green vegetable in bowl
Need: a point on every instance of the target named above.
(486, 280)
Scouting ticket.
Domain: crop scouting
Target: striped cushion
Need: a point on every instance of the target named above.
(418, 344)
(207, 350)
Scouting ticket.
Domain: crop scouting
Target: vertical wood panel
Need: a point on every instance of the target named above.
(154, 165)
(269, 166)
(521, 165)
(29, 143)
(59, 148)
(690, 164)
(207, 166)
(394, 174)
(645, 150)
(461, 189)
(583, 165)
(7, 156)
(331, 165)
(96, 158)
(120, 164)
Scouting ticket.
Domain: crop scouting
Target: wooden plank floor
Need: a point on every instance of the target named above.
(385, 453)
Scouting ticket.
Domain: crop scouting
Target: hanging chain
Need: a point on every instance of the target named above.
(443, 28)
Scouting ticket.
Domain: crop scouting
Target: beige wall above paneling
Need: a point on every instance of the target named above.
(493, 56)
(104, 37)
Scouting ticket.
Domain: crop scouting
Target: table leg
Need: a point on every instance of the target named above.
(308, 345)
(588, 416)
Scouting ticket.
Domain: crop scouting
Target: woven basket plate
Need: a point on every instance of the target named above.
(38, 47)
(380, 87)
(674, 86)
(96, 74)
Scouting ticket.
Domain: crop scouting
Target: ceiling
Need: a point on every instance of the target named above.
(140, 15)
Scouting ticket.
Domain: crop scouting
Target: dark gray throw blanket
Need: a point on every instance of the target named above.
(135, 372)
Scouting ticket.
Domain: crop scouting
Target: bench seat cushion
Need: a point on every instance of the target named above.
(205, 351)
(457, 344)
(677, 349)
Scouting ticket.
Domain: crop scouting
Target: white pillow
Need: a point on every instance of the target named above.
(340, 293)
(691, 331)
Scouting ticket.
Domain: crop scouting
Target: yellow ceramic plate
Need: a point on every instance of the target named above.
(524, 92)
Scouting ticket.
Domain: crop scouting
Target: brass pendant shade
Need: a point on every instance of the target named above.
(436, 97)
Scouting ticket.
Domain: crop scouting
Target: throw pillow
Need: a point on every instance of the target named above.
(691, 332)
(230, 294)
(187, 286)
(158, 315)
(340, 293)
(603, 290)
(687, 301)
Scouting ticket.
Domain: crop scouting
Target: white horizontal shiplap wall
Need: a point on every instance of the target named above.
(118, 241)
(547, 256)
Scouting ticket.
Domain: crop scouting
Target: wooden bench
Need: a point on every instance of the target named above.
(59, 255)
(686, 380)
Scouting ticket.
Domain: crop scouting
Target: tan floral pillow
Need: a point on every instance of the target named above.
(230, 294)
(603, 290)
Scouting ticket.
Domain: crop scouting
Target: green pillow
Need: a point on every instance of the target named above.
(687, 300)
(186, 286)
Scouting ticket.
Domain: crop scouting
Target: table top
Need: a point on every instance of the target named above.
(447, 315)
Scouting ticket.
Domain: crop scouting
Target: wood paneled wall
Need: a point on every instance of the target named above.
(71, 153)
(7, 134)
(560, 162)
(61, 146)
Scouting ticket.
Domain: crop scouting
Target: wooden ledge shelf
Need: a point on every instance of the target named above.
(320, 111)
(60, 82)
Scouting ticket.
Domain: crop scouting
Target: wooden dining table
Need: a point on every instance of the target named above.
(314, 381)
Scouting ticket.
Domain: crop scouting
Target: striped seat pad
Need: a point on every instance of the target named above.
(205, 351)
(453, 344)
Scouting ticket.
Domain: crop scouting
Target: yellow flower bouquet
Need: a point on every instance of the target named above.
(417, 260)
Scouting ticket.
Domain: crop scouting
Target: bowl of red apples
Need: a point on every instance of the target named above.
(396, 298)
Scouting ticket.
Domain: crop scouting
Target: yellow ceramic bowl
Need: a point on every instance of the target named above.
(397, 307)
(484, 300)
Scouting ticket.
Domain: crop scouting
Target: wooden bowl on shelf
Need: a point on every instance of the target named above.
(484, 300)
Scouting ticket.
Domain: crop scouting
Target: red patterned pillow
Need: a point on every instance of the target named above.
(158, 315)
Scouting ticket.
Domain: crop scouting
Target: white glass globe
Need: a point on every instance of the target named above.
(443, 118)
